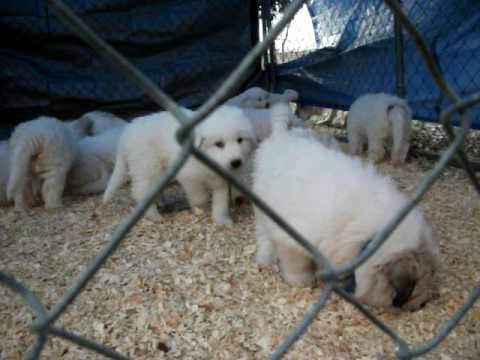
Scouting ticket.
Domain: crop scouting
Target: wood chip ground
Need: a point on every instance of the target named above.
(184, 288)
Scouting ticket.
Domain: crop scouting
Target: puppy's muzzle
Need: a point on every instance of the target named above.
(236, 163)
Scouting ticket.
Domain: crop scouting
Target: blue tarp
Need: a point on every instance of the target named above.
(356, 54)
(187, 47)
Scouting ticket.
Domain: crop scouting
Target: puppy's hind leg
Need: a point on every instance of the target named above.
(197, 193)
(297, 267)
(355, 143)
(376, 147)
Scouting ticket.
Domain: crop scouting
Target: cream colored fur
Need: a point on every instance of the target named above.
(148, 147)
(41, 151)
(338, 203)
(380, 120)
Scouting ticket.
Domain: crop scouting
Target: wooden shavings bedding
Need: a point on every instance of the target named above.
(187, 289)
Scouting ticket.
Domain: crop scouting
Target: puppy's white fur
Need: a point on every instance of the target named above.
(258, 98)
(148, 147)
(4, 170)
(96, 122)
(337, 203)
(41, 151)
(94, 164)
(262, 120)
(378, 119)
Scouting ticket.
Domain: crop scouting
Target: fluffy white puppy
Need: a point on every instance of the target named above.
(338, 203)
(96, 122)
(378, 119)
(262, 119)
(258, 98)
(3, 172)
(41, 151)
(94, 164)
(148, 146)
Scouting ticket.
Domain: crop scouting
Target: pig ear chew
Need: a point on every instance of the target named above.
(403, 283)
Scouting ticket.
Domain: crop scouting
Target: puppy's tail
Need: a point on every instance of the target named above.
(281, 114)
(20, 164)
(119, 175)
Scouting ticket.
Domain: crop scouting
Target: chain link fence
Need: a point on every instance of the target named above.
(44, 324)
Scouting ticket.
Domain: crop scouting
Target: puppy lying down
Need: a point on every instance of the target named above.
(338, 203)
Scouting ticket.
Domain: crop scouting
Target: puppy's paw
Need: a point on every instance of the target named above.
(264, 260)
(300, 279)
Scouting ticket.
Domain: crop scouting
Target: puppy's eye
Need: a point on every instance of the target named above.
(240, 140)
(220, 144)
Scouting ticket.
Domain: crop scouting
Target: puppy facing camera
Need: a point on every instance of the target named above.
(148, 147)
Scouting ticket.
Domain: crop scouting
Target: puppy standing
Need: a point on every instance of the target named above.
(148, 147)
(258, 98)
(376, 119)
(338, 203)
(97, 122)
(41, 152)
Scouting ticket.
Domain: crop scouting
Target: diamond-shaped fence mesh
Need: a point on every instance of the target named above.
(44, 324)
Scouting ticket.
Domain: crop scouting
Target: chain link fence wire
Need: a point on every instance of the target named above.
(44, 326)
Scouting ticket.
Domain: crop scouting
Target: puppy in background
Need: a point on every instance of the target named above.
(4, 170)
(258, 98)
(94, 123)
(338, 203)
(94, 163)
(148, 147)
(41, 151)
(380, 119)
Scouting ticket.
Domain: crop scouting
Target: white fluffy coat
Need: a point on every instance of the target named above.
(337, 203)
(380, 119)
(42, 152)
(148, 147)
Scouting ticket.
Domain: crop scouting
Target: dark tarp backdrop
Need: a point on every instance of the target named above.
(187, 47)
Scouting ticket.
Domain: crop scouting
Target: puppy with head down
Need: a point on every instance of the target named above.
(41, 152)
(94, 123)
(258, 98)
(338, 203)
(148, 147)
(94, 162)
(380, 120)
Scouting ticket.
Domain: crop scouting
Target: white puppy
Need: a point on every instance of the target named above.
(41, 151)
(258, 98)
(338, 203)
(97, 122)
(262, 120)
(376, 119)
(3, 172)
(148, 147)
(95, 161)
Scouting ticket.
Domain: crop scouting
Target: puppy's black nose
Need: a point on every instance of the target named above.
(235, 164)
(267, 105)
(404, 285)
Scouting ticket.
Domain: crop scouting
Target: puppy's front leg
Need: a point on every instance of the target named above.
(220, 206)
